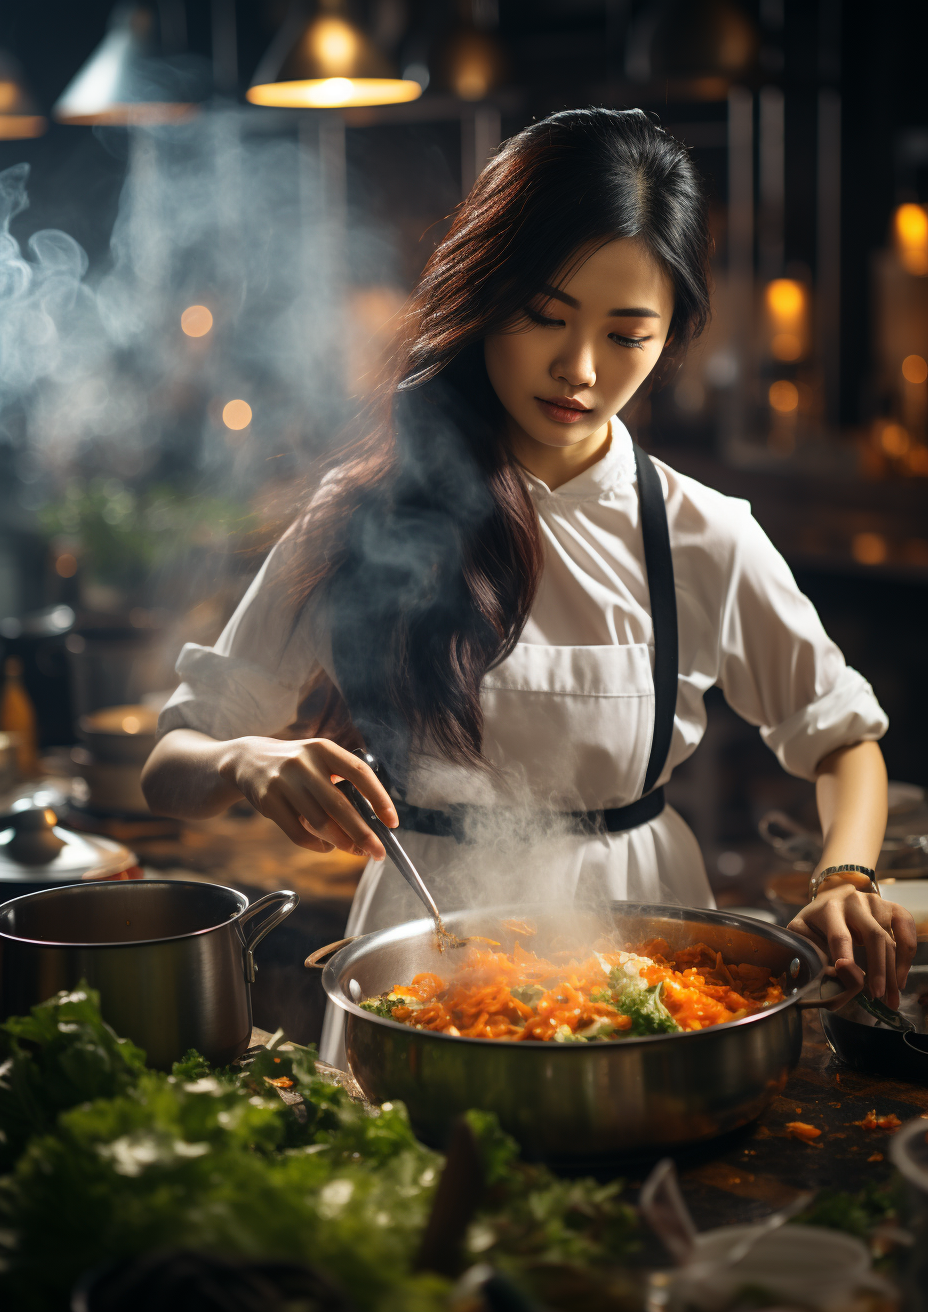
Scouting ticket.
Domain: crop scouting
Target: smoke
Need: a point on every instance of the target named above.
(95, 370)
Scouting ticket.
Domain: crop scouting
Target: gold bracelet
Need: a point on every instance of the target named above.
(862, 877)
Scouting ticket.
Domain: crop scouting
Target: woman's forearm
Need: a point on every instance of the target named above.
(187, 776)
(851, 793)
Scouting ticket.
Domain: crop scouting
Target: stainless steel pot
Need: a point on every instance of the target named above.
(576, 1104)
(173, 961)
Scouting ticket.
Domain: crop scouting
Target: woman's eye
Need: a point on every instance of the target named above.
(637, 343)
(542, 319)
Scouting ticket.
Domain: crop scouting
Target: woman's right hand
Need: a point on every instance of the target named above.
(291, 782)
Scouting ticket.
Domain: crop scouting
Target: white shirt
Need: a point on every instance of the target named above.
(569, 715)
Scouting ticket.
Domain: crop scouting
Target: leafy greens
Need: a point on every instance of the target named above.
(107, 1159)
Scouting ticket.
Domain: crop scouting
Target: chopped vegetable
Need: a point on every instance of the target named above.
(873, 1122)
(124, 1161)
(855, 1214)
(609, 995)
(802, 1130)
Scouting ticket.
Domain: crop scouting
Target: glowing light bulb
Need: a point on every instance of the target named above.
(236, 415)
(910, 225)
(785, 298)
(196, 321)
(334, 43)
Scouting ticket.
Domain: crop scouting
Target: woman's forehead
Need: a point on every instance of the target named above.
(623, 268)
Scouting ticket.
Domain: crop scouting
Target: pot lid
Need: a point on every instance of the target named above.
(35, 847)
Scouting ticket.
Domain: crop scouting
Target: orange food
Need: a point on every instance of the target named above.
(802, 1130)
(873, 1122)
(607, 995)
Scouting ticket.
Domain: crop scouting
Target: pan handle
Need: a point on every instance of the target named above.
(280, 905)
(315, 959)
(834, 1002)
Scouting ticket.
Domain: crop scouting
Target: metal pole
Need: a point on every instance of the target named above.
(740, 260)
(828, 251)
(771, 181)
(225, 47)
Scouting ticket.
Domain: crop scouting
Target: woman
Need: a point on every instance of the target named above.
(483, 583)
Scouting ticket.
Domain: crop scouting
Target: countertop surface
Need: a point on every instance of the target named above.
(756, 1170)
(746, 1175)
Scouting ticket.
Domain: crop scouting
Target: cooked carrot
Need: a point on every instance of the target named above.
(873, 1122)
(802, 1130)
(518, 995)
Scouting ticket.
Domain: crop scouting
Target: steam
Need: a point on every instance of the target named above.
(95, 371)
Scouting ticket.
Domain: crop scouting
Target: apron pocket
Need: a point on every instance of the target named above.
(576, 722)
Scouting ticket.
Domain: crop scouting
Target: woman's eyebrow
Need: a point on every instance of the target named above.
(634, 312)
(627, 312)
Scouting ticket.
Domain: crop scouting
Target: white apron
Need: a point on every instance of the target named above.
(570, 729)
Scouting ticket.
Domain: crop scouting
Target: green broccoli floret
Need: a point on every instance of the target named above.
(648, 1014)
(382, 1006)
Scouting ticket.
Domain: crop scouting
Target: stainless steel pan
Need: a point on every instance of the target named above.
(576, 1104)
(173, 961)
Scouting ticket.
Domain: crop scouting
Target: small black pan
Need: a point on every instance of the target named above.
(898, 1047)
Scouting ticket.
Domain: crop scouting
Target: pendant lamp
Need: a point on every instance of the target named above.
(125, 80)
(19, 116)
(326, 62)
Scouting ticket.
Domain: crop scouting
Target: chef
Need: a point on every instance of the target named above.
(519, 611)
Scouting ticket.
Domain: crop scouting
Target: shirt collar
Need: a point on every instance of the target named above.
(616, 466)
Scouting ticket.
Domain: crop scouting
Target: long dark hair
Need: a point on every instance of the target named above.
(423, 535)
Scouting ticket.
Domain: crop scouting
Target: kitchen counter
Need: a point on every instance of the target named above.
(752, 1172)
(743, 1176)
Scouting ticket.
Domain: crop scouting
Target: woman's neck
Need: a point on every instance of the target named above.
(555, 465)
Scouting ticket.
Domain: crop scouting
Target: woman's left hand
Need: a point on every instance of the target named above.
(840, 917)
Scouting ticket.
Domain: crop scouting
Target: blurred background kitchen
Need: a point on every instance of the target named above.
(212, 209)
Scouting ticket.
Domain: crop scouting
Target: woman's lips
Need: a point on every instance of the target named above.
(562, 410)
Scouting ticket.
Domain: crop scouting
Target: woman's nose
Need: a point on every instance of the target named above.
(575, 367)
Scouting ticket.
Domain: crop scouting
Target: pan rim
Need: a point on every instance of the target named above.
(7, 937)
(776, 933)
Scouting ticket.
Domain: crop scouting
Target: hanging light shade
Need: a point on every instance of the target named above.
(126, 80)
(324, 62)
(19, 115)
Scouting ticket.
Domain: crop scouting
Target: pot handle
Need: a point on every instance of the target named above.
(315, 959)
(834, 1002)
(280, 905)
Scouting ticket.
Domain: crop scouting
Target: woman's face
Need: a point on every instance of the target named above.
(581, 349)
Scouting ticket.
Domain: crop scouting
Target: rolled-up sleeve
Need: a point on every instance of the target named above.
(779, 669)
(251, 680)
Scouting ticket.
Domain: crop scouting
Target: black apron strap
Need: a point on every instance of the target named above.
(659, 566)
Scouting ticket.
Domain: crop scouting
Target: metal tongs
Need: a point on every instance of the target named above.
(395, 850)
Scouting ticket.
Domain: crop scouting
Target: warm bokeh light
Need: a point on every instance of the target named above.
(894, 440)
(917, 461)
(334, 43)
(914, 369)
(910, 225)
(236, 415)
(787, 315)
(196, 321)
(786, 346)
(786, 298)
(783, 396)
(869, 548)
(327, 93)
(66, 565)
(20, 127)
(131, 724)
